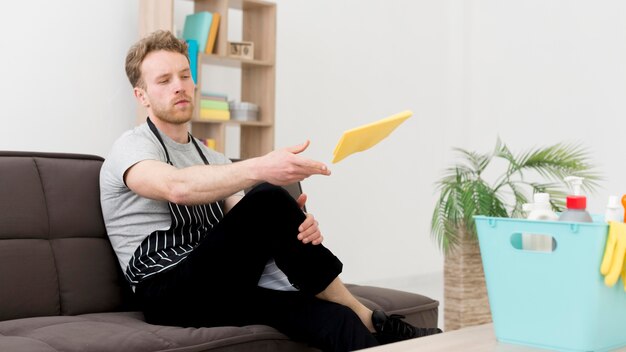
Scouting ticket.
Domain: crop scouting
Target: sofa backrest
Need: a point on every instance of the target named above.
(55, 257)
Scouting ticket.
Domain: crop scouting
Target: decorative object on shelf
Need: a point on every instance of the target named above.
(464, 193)
(243, 50)
(197, 27)
(242, 111)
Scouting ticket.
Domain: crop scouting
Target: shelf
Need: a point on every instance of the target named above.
(234, 122)
(248, 4)
(258, 76)
(226, 60)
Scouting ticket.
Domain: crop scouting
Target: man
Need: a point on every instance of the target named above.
(193, 247)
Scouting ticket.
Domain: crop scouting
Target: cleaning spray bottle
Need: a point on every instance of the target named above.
(539, 210)
(614, 211)
(576, 203)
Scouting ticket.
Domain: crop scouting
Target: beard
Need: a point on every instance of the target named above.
(174, 114)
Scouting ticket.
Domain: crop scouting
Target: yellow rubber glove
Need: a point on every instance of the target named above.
(611, 242)
(613, 261)
(624, 275)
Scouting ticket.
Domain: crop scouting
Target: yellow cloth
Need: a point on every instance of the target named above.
(613, 261)
(366, 136)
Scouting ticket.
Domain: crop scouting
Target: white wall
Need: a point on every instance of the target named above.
(62, 67)
(541, 72)
(534, 73)
(470, 71)
(345, 63)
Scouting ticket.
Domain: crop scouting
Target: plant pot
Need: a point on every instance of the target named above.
(465, 292)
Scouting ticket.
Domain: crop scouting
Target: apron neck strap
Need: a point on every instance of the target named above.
(156, 133)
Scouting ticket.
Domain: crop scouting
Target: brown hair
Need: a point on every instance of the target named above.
(158, 40)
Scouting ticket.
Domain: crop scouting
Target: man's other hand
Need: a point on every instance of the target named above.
(309, 229)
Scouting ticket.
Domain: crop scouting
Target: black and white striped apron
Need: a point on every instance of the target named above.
(163, 249)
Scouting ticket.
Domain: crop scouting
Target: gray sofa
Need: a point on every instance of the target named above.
(61, 288)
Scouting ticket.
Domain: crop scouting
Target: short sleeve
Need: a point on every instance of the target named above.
(127, 151)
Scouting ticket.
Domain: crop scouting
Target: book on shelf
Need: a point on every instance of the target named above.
(192, 52)
(215, 24)
(197, 27)
(211, 114)
(213, 104)
(214, 96)
(209, 142)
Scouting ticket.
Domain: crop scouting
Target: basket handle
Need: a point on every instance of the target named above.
(533, 242)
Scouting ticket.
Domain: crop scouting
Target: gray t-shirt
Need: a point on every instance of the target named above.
(130, 218)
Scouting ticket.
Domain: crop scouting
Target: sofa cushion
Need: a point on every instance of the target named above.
(29, 282)
(419, 310)
(54, 252)
(128, 332)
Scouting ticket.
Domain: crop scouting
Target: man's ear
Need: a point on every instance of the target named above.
(140, 94)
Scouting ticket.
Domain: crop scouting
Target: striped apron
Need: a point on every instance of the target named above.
(163, 249)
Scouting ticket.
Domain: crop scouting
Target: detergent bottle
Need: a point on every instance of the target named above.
(540, 209)
(576, 203)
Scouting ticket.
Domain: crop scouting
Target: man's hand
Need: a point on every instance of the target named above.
(309, 229)
(284, 166)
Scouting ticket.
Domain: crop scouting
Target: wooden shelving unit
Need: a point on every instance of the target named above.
(258, 76)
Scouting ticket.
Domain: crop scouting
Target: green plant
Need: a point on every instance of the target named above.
(464, 192)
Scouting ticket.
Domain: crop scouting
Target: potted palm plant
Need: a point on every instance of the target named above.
(464, 192)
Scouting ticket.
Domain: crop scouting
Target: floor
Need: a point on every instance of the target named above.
(430, 285)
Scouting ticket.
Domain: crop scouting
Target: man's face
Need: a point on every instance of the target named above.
(169, 88)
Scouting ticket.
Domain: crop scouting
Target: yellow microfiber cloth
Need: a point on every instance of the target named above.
(364, 137)
(613, 261)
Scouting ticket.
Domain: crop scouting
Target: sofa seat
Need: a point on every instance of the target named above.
(128, 330)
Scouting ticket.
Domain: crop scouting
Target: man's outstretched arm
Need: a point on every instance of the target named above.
(203, 184)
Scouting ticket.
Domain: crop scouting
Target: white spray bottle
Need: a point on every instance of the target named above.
(614, 211)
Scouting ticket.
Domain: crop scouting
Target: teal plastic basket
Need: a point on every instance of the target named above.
(555, 300)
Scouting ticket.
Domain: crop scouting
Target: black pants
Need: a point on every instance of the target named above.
(216, 285)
